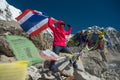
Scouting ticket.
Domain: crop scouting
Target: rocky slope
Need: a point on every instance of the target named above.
(93, 61)
(92, 67)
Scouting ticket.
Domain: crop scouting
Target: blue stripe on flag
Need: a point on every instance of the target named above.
(32, 21)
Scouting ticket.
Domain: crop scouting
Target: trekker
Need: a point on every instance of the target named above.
(59, 43)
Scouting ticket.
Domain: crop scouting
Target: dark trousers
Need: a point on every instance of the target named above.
(57, 50)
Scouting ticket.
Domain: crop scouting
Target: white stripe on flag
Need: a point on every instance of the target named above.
(37, 26)
(38, 12)
(25, 18)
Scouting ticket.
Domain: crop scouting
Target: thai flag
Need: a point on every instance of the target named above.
(33, 22)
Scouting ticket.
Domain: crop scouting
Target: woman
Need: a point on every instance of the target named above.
(59, 43)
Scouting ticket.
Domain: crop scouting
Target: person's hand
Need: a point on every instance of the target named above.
(68, 25)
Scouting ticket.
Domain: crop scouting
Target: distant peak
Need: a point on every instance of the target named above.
(7, 11)
(110, 29)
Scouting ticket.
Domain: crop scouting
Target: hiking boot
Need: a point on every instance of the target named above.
(48, 75)
(75, 66)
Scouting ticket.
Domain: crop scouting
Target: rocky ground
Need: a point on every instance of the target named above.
(92, 66)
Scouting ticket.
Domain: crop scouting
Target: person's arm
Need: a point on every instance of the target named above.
(50, 24)
(69, 30)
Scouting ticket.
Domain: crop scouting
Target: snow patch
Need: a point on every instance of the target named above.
(7, 11)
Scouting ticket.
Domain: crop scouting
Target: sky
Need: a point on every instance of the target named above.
(80, 14)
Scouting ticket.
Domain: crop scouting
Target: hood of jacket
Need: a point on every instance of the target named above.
(59, 24)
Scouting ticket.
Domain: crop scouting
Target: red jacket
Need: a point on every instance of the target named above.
(59, 33)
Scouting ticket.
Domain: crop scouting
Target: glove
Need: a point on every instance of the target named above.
(68, 25)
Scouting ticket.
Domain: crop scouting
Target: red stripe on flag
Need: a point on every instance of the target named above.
(26, 12)
(39, 30)
(23, 14)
